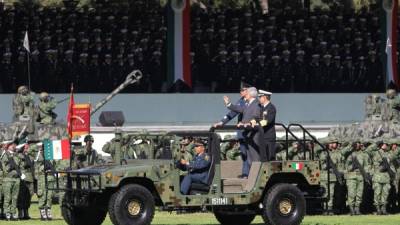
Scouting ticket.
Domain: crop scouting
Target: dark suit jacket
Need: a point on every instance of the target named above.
(268, 113)
(250, 112)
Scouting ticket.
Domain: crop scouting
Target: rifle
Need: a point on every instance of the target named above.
(365, 175)
(338, 174)
(14, 166)
(386, 167)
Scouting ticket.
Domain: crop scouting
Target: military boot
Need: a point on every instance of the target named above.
(378, 210)
(8, 216)
(48, 214)
(43, 215)
(357, 211)
(26, 214)
(384, 212)
(20, 214)
(352, 212)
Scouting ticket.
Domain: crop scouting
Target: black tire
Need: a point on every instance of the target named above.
(132, 204)
(81, 216)
(227, 218)
(284, 204)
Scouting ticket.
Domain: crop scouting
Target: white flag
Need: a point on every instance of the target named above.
(26, 42)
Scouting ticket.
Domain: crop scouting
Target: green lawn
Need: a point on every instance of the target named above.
(208, 219)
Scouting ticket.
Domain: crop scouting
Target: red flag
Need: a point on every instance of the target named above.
(81, 119)
(70, 112)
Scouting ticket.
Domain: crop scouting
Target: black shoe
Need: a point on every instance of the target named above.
(352, 212)
(20, 214)
(26, 214)
(242, 176)
(378, 210)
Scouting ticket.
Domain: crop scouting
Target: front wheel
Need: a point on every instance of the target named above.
(81, 215)
(227, 218)
(132, 204)
(284, 204)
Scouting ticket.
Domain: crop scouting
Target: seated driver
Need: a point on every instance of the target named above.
(197, 168)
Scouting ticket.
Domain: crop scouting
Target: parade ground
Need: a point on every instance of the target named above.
(209, 219)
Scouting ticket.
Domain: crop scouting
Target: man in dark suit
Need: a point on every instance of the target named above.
(251, 112)
(268, 113)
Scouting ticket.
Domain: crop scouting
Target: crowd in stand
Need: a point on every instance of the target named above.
(290, 49)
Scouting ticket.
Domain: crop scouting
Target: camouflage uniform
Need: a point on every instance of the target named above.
(44, 194)
(23, 103)
(11, 182)
(113, 148)
(355, 180)
(45, 109)
(381, 180)
(127, 149)
(338, 159)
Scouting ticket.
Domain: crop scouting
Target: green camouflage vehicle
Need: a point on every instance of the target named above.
(131, 191)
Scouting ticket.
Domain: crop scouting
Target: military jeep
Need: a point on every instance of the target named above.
(130, 191)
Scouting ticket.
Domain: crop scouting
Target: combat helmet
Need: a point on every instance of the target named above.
(43, 95)
(23, 90)
(88, 138)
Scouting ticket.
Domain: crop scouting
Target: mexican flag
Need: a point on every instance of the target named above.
(178, 38)
(389, 40)
(297, 166)
(57, 149)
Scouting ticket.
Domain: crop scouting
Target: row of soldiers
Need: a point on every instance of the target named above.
(22, 174)
(355, 168)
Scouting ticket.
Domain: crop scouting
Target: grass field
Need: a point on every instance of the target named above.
(208, 219)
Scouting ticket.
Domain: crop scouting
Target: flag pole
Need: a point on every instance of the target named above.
(29, 70)
(70, 106)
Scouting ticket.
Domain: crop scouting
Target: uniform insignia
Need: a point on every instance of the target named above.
(263, 123)
(206, 157)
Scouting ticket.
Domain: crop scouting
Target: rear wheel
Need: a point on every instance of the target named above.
(284, 204)
(227, 218)
(132, 204)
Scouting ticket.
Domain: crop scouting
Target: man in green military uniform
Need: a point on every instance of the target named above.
(230, 149)
(11, 181)
(391, 107)
(381, 179)
(127, 149)
(354, 177)
(23, 103)
(45, 109)
(143, 146)
(44, 193)
(87, 156)
(337, 159)
(27, 184)
(113, 147)
(3, 149)
(184, 151)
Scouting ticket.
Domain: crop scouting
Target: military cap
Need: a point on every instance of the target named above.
(236, 53)
(283, 30)
(361, 58)
(273, 41)
(199, 142)
(88, 138)
(235, 42)
(36, 52)
(289, 22)
(130, 56)
(156, 53)
(300, 52)
(275, 57)
(83, 55)
(286, 52)
(284, 43)
(246, 52)
(69, 52)
(210, 30)
(248, 29)
(336, 57)
(358, 39)
(315, 56)
(352, 20)
(261, 56)
(222, 30)
(260, 43)
(327, 56)
(263, 93)
(47, 38)
(223, 52)
(372, 52)
(309, 39)
(108, 55)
